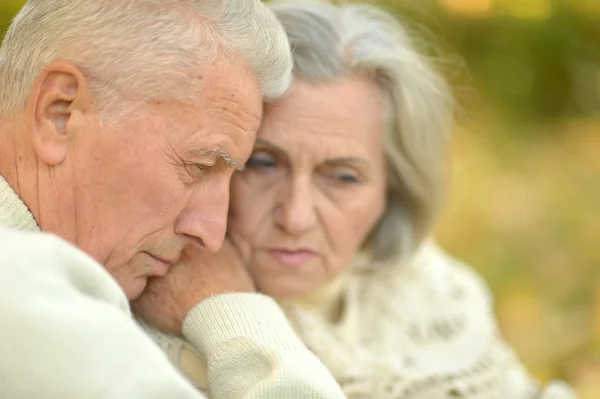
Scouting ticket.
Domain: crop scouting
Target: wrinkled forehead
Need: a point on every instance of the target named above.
(231, 87)
(225, 113)
(333, 119)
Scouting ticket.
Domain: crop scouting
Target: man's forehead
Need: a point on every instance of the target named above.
(232, 94)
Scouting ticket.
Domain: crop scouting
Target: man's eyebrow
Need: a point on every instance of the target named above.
(225, 156)
(335, 161)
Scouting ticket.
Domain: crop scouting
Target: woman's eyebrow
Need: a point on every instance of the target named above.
(267, 143)
(332, 161)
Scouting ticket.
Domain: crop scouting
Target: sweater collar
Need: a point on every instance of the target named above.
(14, 214)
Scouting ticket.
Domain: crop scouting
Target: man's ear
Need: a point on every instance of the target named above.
(60, 92)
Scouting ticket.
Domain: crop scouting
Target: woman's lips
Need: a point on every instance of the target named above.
(292, 258)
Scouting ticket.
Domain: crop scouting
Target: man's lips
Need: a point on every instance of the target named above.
(162, 264)
(168, 260)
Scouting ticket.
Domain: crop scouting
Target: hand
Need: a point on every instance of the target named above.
(198, 275)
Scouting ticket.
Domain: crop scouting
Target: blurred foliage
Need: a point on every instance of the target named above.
(532, 61)
(526, 214)
(524, 200)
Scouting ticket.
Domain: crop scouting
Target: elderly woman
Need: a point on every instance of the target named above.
(333, 215)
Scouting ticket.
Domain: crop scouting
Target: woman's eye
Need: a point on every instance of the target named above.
(346, 178)
(342, 175)
(261, 161)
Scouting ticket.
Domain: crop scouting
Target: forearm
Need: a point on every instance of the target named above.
(252, 351)
(66, 331)
(59, 354)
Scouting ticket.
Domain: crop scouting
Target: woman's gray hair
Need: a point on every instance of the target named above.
(330, 42)
(147, 49)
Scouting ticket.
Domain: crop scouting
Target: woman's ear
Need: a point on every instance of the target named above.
(59, 91)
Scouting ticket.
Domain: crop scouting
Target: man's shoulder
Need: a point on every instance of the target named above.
(25, 247)
(14, 239)
(32, 259)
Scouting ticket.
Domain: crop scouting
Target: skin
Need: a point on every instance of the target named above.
(313, 188)
(134, 193)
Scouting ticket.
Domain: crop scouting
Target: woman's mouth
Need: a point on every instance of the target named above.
(292, 257)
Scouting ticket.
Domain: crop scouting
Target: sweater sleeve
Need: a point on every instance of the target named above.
(252, 352)
(66, 331)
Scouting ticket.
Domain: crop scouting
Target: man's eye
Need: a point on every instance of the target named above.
(197, 171)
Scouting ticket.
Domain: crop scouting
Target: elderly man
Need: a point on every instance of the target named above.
(121, 123)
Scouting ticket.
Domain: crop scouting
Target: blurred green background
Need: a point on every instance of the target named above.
(524, 200)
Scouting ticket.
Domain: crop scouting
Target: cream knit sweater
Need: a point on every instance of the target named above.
(67, 332)
(422, 330)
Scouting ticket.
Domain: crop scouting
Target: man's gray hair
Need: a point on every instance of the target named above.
(140, 49)
(332, 42)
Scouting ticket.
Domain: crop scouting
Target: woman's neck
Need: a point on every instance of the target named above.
(326, 299)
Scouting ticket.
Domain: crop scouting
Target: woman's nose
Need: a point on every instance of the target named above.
(295, 212)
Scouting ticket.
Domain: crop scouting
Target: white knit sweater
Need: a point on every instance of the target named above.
(67, 332)
(422, 330)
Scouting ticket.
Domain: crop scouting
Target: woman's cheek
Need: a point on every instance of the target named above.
(243, 245)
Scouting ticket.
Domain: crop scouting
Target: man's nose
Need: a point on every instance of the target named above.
(295, 212)
(204, 220)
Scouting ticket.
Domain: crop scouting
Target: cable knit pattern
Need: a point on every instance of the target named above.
(422, 331)
(425, 330)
